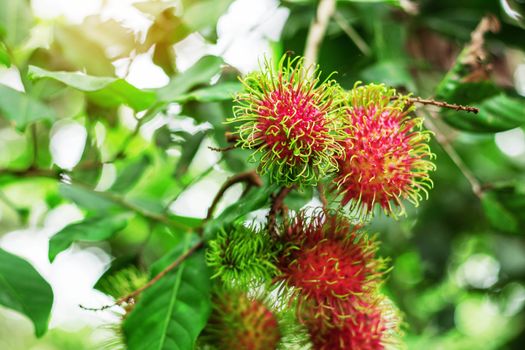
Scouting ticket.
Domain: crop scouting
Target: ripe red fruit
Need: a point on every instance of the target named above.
(386, 153)
(328, 262)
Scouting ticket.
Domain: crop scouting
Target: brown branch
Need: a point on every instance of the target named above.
(250, 177)
(440, 104)
(322, 196)
(130, 298)
(222, 149)
(275, 209)
(231, 137)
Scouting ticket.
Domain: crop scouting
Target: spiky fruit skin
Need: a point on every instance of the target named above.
(374, 326)
(243, 256)
(291, 121)
(239, 322)
(387, 157)
(328, 262)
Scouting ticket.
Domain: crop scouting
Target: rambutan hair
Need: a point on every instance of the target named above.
(291, 121)
(327, 261)
(386, 155)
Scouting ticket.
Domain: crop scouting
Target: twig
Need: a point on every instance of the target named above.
(322, 197)
(222, 149)
(130, 298)
(440, 104)
(250, 177)
(231, 137)
(325, 10)
(454, 156)
(352, 34)
(277, 206)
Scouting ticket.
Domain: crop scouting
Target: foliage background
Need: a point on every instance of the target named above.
(80, 149)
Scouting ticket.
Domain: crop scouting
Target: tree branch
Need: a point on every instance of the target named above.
(250, 177)
(325, 10)
(440, 104)
(130, 298)
(276, 207)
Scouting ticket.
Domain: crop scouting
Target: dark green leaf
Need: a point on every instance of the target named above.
(90, 230)
(497, 214)
(498, 113)
(200, 73)
(22, 109)
(15, 20)
(24, 290)
(105, 91)
(131, 173)
(173, 311)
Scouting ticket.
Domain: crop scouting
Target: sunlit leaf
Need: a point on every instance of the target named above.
(219, 92)
(24, 290)
(130, 174)
(105, 91)
(89, 230)
(172, 312)
(15, 21)
(22, 109)
(4, 56)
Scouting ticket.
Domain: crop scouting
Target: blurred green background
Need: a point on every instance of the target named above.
(137, 142)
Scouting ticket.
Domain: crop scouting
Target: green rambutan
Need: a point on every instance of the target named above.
(243, 256)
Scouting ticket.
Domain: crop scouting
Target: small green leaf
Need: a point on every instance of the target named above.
(21, 108)
(15, 19)
(87, 198)
(131, 174)
(219, 92)
(24, 290)
(200, 73)
(105, 91)
(90, 230)
(172, 312)
(4, 56)
(498, 216)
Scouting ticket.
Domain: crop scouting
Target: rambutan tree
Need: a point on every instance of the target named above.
(333, 176)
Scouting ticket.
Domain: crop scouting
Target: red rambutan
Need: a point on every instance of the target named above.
(328, 262)
(386, 153)
(372, 326)
(291, 121)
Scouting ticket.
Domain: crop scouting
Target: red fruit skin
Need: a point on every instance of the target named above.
(329, 262)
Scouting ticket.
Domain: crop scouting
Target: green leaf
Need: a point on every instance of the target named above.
(4, 56)
(105, 91)
(498, 113)
(24, 290)
(200, 73)
(219, 92)
(21, 108)
(391, 73)
(204, 13)
(15, 19)
(504, 206)
(498, 216)
(90, 230)
(131, 174)
(257, 198)
(87, 198)
(172, 312)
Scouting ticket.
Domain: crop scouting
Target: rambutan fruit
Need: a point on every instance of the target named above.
(372, 326)
(292, 122)
(328, 262)
(240, 322)
(386, 157)
(243, 256)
